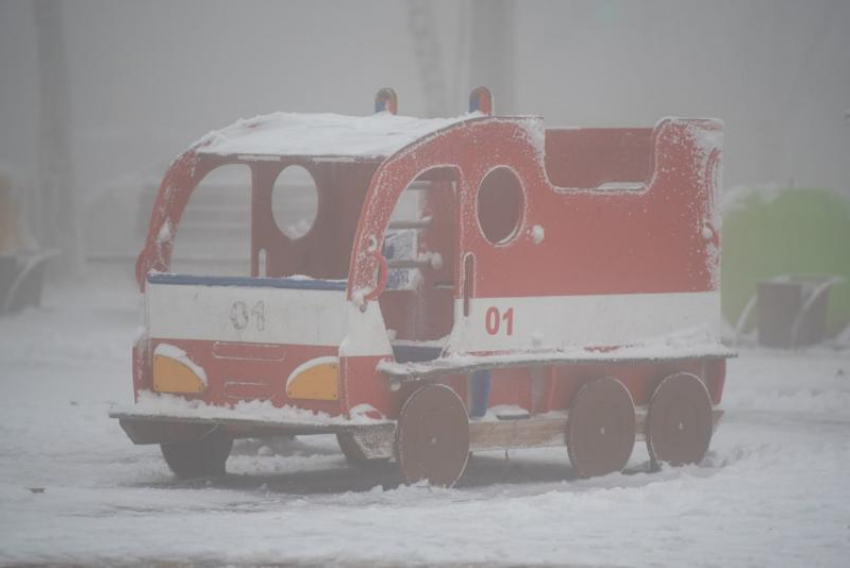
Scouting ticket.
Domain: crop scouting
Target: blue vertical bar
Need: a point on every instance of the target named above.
(479, 393)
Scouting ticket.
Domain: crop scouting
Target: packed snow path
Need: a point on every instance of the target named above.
(772, 492)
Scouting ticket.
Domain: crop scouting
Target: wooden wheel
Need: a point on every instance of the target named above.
(601, 428)
(432, 436)
(354, 455)
(199, 458)
(679, 424)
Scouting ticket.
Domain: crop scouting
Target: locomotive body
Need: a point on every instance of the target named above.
(467, 284)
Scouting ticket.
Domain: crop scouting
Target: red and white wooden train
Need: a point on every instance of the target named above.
(551, 287)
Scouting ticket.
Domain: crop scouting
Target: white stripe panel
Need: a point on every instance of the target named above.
(557, 322)
(247, 314)
(325, 318)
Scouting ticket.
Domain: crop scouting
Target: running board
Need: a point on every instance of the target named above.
(168, 429)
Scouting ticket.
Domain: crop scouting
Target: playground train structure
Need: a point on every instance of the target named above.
(541, 287)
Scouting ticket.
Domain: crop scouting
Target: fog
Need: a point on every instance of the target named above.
(144, 79)
(496, 313)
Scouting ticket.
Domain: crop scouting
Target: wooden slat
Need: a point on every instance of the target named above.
(249, 427)
(511, 434)
(541, 432)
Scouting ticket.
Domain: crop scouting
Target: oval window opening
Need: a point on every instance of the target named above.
(500, 204)
(295, 201)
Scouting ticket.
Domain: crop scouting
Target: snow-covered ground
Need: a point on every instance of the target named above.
(773, 491)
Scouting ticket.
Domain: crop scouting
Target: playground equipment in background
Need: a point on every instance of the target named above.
(21, 269)
(790, 310)
(772, 233)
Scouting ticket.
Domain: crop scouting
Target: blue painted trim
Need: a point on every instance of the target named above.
(289, 283)
(415, 353)
(479, 393)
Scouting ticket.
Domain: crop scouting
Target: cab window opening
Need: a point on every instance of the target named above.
(419, 243)
(214, 234)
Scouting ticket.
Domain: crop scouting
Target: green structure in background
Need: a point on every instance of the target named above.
(797, 231)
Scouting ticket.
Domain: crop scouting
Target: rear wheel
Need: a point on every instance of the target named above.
(205, 457)
(432, 436)
(679, 422)
(601, 428)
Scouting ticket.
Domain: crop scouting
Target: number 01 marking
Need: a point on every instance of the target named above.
(241, 315)
(493, 321)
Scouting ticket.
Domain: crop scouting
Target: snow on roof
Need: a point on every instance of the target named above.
(326, 134)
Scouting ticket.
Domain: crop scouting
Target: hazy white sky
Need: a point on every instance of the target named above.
(147, 78)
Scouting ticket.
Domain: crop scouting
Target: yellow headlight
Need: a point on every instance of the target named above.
(173, 376)
(317, 379)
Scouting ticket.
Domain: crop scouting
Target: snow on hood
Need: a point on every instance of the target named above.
(295, 134)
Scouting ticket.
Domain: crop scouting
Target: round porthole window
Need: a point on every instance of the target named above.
(500, 204)
(295, 201)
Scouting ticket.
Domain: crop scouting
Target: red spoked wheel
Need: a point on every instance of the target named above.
(432, 436)
(601, 428)
(679, 422)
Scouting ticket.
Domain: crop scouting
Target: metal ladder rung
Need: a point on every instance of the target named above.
(409, 263)
(411, 224)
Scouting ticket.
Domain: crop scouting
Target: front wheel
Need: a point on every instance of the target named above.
(205, 457)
